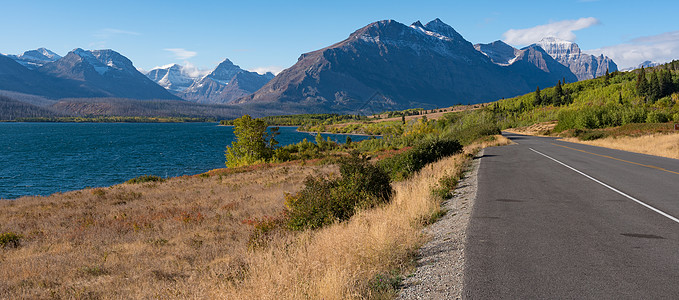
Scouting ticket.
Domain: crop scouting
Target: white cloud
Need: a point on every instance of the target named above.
(181, 53)
(273, 69)
(661, 48)
(193, 71)
(561, 29)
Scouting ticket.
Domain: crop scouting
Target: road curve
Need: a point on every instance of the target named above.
(558, 220)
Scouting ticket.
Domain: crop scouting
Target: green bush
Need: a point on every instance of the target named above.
(588, 135)
(10, 240)
(323, 201)
(145, 178)
(656, 117)
(403, 165)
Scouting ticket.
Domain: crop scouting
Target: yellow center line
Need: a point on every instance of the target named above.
(618, 159)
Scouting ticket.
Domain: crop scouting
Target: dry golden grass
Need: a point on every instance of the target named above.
(186, 238)
(339, 261)
(181, 238)
(666, 145)
(538, 129)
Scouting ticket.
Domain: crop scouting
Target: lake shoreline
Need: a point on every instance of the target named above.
(44, 159)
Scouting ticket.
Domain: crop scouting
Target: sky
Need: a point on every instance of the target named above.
(271, 35)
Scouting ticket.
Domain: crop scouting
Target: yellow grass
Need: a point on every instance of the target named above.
(338, 262)
(666, 145)
(185, 238)
(180, 238)
(538, 129)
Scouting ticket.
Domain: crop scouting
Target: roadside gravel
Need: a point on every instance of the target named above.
(440, 263)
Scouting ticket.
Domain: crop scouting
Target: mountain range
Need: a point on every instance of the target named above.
(383, 66)
(389, 65)
(226, 83)
(584, 66)
(81, 73)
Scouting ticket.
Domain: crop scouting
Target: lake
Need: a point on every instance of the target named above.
(45, 158)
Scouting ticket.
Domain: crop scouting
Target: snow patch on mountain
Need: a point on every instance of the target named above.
(175, 77)
(583, 65)
(33, 59)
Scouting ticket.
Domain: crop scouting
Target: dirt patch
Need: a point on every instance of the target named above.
(538, 129)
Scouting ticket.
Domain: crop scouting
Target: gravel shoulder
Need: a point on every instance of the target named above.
(440, 263)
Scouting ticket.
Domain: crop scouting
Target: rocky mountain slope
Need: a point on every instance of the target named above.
(226, 83)
(388, 65)
(526, 60)
(174, 77)
(106, 73)
(34, 59)
(17, 78)
(584, 66)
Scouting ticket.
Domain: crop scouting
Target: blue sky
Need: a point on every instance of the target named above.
(270, 35)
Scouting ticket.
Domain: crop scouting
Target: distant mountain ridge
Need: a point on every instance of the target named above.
(388, 65)
(226, 83)
(33, 59)
(172, 77)
(383, 66)
(524, 60)
(106, 73)
(81, 73)
(584, 66)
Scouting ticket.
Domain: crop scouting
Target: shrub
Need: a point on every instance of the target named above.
(10, 240)
(323, 201)
(401, 166)
(656, 117)
(145, 178)
(589, 135)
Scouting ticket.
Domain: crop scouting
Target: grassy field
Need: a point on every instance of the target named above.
(666, 145)
(192, 237)
(184, 237)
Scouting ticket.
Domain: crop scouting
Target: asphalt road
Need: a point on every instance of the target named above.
(543, 230)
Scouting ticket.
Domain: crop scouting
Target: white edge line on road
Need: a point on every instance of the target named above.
(610, 187)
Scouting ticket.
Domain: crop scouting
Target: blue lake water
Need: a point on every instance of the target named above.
(44, 158)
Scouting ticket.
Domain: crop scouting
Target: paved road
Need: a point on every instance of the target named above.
(541, 230)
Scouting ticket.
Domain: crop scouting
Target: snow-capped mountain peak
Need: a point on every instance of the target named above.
(224, 72)
(33, 59)
(558, 48)
(173, 77)
(104, 60)
(443, 29)
(583, 65)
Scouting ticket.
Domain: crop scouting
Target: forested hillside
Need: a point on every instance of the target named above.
(641, 96)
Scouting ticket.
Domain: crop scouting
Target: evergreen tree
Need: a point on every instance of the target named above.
(273, 133)
(606, 77)
(620, 98)
(654, 87)
(666, 86)
(642, 83)
(538, 99)
(558, 94)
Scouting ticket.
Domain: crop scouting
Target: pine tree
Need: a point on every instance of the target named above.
(620, 98)
(558, 93)
(654, 87)
(642, 83)
(538, 99)
(606, 77)
(665, 79)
